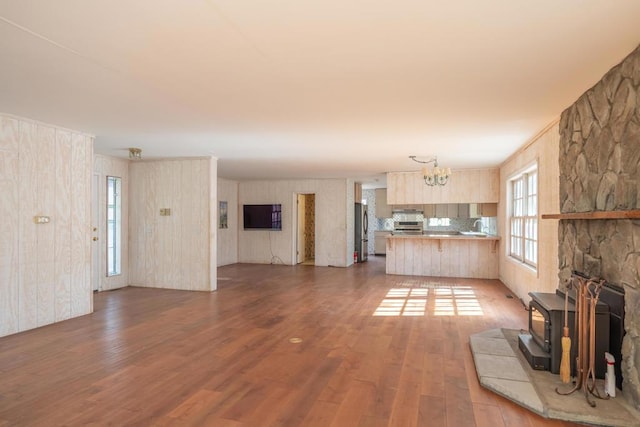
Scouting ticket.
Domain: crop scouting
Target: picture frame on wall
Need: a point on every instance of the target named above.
(222, 215)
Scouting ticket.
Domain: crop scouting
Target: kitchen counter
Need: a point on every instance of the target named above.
(472, 255)
(445, 236)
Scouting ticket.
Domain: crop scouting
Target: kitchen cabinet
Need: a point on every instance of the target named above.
(442, 211)
(464, 186)
(457, 256)
(452, 210)
(477, 210)
(383, 210)
(463, 210)
(357, 192)
(429, 210)
(447, 210)
(380, 242)
(399, 196)
(417, 208)
(489, 209)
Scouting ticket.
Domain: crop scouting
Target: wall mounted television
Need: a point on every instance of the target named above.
(262, 217)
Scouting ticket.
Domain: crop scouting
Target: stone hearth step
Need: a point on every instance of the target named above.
(502, 368)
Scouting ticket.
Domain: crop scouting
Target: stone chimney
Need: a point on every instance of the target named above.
(600, 171)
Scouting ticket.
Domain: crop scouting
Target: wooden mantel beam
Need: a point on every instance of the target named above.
(628, 214)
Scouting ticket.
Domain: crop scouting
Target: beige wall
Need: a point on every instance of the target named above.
(105, 166)
(522, 280)
(228, 237)
(45, 269)
(175, 251)
(332, 221)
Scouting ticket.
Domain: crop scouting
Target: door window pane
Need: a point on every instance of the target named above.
(114, 226)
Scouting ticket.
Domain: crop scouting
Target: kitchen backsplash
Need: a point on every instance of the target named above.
(486, 224)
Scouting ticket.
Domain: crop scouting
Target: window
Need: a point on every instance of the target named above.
(114, 226)
(439, 222)
(523, 217)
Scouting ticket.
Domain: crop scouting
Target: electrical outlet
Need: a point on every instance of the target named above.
(41, 219)
(165, 212)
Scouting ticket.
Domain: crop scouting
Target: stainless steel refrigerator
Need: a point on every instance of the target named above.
(361, 229)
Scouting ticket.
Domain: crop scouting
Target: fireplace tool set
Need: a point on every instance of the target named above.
(587, 293)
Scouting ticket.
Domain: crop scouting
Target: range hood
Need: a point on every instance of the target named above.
(407, 211)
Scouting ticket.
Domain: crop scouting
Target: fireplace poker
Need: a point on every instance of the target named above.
(594, 288)
(584, 349)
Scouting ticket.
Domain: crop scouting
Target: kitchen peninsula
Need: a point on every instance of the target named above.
(472, 255)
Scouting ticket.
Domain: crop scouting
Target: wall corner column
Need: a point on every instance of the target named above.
(213, 224)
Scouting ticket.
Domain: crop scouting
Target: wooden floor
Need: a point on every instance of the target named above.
(376, 350)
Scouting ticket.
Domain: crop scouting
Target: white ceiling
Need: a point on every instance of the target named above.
(314, 88)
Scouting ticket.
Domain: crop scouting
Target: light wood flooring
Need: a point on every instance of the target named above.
(375, 350)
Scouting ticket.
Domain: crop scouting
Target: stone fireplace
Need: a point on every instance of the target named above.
(600, 172)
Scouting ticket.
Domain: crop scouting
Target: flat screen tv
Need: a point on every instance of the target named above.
(262, 217)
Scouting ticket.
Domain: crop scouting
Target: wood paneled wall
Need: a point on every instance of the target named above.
(334, 222)
(228, 237)
(45, 269)
(176, 251)
(522, 280)
(111, 166)
(464, 186)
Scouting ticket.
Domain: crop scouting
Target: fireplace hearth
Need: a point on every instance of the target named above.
(542, 345)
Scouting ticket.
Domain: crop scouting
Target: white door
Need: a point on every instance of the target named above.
(95, 232)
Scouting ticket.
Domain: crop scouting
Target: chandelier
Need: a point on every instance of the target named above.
(135, 153)
(437, 176)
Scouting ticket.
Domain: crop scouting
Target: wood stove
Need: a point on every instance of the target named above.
(542, 345)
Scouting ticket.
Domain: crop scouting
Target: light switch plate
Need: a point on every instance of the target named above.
(165, 212)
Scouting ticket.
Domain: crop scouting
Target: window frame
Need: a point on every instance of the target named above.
(522, 217)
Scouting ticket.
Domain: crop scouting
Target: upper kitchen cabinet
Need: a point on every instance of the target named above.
(478, 210)
(464, 186)
(429, 210)
(463, 210)
(401, 190)
(450, 210)
(442, 211)
(489, 209)
(383, 210)
(357, 192)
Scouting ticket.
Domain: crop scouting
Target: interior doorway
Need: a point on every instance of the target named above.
(306, 229)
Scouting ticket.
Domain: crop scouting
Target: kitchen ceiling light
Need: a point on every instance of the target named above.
(437, 176)
(135, 153)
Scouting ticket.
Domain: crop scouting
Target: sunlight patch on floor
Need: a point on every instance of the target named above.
(448, 300)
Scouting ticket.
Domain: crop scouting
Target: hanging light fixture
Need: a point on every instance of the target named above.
(135, 153)
(437, 176)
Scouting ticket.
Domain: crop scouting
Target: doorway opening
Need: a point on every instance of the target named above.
(306, 229)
